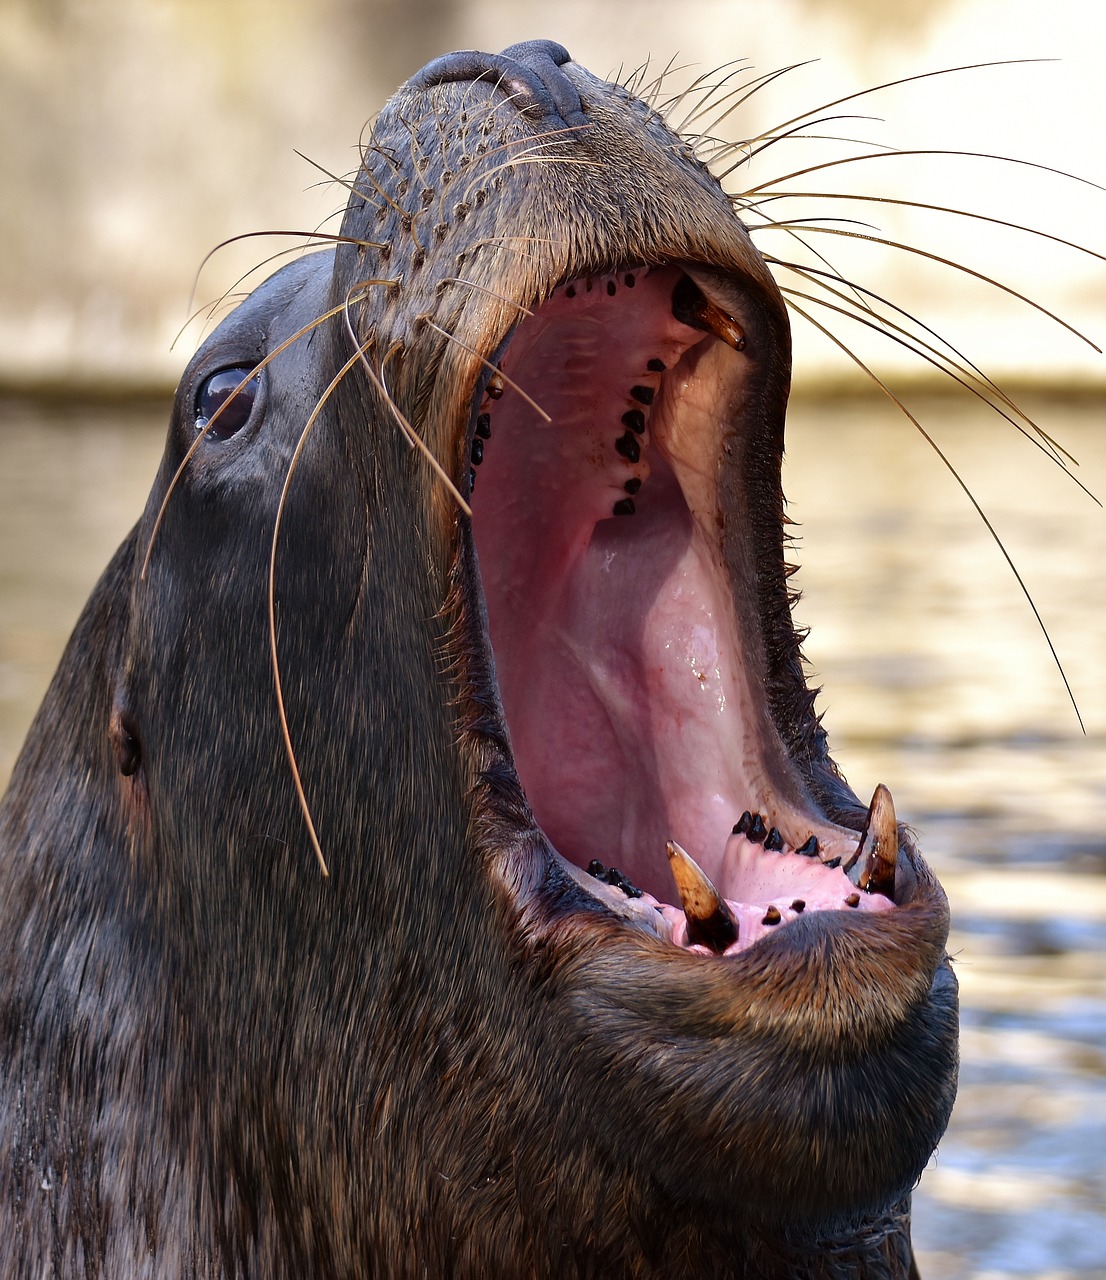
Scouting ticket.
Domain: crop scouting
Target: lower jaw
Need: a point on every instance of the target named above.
(767, 885)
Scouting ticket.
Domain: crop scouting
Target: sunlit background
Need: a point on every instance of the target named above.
(135, 136)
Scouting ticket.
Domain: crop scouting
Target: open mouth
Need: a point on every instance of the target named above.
(611, 515)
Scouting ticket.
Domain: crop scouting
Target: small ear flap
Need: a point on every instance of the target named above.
(126, 742)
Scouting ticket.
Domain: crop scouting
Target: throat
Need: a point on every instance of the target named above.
(624, 692)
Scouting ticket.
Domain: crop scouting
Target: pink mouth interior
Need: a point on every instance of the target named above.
(634, 715)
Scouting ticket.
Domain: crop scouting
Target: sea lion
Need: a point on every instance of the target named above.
(575, 956)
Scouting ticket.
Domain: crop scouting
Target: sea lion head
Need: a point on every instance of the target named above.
(734, 1038)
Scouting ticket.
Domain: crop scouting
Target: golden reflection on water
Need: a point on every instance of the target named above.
(938, 683)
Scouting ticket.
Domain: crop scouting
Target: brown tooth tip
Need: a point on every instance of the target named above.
(882, 802)
(709, 921)
(697, 895)
(879, 845)
(692, 307)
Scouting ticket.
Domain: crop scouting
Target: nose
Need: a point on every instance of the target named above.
(529, 74)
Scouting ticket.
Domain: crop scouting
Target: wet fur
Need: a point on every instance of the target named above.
(215, 1062)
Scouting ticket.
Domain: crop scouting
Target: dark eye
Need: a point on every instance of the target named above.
(216, 390)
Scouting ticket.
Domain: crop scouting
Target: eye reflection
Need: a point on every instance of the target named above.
(216, 390)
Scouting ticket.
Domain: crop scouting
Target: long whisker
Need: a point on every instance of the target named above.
(537, 158)
(956, 266)
(491, 293)
(511, 242)
(650, 92)
(531, 152)
(405, 426)
(393, 350)
(407, 221)
(351, 185)
(565, 134)
(935, 208)
(821, 257)
(967, 492)
(815, 221)
(210, 310)
(632, 83)
(1053, 449)
(707, 92)
(315, 239)
(285, 732)
(913, 151)
(925, 351)
(766, 140)
(723, 149)
(744, 92)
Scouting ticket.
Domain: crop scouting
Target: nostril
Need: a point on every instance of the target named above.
(529, 74)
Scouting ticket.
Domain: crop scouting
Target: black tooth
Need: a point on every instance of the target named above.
(809, 849)
(570, 292)
(635, 420)
(477, 451)
(853, 900)
(624, 507)
(656, 366)
(472, 479)
(832, 862)
(484, 426)
(632, 485)
(772, 916)
(798, 906)
(643, 395)
(619, 881)
(628, 446)
(742, 824)
(757, 830)
(773, 840)
(630, 281)
(611, 288)
(597, 869)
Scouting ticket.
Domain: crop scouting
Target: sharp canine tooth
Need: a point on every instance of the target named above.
(722, 325)
(878, 846)
(709, 921)
(692, 307)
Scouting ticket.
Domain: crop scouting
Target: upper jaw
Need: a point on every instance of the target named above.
(697, 709)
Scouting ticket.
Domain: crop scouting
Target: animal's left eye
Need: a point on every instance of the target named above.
(216, 390)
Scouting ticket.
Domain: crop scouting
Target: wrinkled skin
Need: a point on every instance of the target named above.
(457, 1054)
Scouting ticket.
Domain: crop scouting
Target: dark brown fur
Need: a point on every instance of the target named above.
(444, 1059)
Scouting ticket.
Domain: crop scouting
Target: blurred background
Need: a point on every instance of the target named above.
(136, 135)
